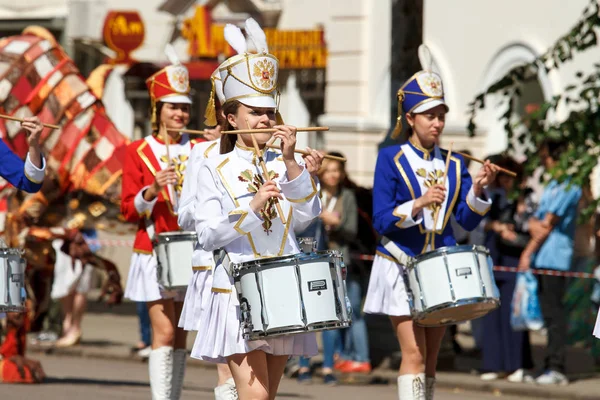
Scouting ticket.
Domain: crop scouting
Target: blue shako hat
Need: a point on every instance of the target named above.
(423, 91)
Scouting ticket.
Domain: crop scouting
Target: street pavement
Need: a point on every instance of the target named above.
(94, 379)
(108, 334)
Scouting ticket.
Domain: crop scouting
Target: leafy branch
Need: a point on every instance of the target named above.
(582, 126)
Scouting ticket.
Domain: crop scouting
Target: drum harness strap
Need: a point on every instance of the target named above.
(396, 252)
(221, 257)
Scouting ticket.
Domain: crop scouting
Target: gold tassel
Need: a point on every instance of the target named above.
(398, 128)
(210, 115)
(153, 115)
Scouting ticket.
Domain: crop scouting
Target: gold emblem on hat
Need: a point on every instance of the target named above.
(264, 73)
(430, 84)
(178, 78)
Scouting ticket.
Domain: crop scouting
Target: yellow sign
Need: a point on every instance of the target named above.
(298, 49)
(293, 49)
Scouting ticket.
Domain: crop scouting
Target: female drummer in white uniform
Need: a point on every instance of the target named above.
(408, 185)
(202, 261)
(151, 188)
(236, 212)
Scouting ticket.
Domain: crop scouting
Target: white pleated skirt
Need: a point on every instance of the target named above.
(220, 332)
(142, 282)
(387, 290)
(597, 327)
(197, 292)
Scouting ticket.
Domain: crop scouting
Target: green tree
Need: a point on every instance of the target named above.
(582, 126)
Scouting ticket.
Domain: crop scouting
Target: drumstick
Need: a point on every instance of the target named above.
(437, 211)
(10, 118)
(306, 153)
(265, 172)
(500, 169)
(273, 130)
(167, 140)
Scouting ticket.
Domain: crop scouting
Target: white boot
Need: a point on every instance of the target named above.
(160, 364)
(429, 387)
(179, 359)
(411, 387)
(226, 391)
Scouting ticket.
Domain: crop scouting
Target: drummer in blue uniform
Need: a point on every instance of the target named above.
(408, 187)
(25, 175)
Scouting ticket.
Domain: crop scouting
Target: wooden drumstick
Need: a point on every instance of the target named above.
(265, 173)
(306, 153)
(10, 118)
(273, 130)
(167, 140)
(437, 211)
(500, 169)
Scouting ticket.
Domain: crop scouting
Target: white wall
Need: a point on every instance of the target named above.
(475, 42)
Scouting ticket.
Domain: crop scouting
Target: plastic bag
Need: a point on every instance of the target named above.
(526, 312)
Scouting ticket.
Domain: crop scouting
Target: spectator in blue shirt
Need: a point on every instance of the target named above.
(28, 175)
(552, 233)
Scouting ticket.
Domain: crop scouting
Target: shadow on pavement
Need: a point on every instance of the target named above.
(88, 381)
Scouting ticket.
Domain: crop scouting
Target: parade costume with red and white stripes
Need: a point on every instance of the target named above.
(144, 158)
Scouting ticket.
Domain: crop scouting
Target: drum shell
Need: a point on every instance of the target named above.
(293, 294)
(174, 252)
(451, 285)
(12, 276)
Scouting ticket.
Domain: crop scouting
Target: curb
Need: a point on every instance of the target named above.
(79, 351)
(452, 381)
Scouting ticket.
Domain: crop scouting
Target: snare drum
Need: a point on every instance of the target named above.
(12, 276)
(293, 294)
(174, 256)
(451, 285)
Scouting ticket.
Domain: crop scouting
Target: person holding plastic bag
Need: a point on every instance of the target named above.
(506, 353)
(551, 248)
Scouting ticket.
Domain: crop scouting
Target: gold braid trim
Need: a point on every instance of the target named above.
(210, 116)
(398, 129)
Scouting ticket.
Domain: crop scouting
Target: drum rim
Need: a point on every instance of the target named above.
(298, 256)
(420, 315)
(11, 251)
(258, 335)
(450, 250)
(165, 237)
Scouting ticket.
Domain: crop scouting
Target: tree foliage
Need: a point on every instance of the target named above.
(582, 126)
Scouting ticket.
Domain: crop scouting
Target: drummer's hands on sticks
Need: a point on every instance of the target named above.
(486, 175)
(313, 161)
(165, 177)
(436, 194)
(34, 127)
(287, 135)
(266, 191)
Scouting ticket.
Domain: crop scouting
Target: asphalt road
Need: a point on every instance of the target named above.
(95, 379)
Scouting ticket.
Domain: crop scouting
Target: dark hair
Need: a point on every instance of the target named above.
(406, 134)
(159, 107)
(158, 110)
(555, 147)
(228, 141)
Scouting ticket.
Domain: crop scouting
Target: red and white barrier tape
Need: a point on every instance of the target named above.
(583, 275)
(367, 257)
(111, 242)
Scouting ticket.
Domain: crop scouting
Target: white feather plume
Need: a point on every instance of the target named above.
(172, 54)
(425, 58)
(235, 38)
(257, 35)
